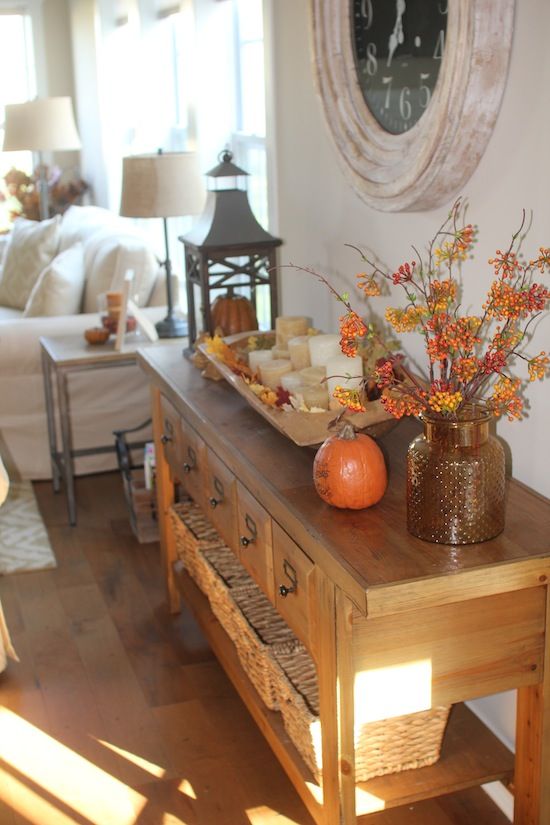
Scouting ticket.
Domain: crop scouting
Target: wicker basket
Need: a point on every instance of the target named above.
(382, 747)
(258, 633)
(202, 550)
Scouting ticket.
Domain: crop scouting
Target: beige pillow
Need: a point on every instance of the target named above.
(107, 257)
(32, 247)
(59, 288)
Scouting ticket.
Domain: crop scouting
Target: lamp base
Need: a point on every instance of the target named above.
(172, 327)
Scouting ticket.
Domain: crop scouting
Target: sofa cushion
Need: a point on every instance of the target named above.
(32, 246)
(60, 286)
(107, 257)
(79, 223)
(10, 314)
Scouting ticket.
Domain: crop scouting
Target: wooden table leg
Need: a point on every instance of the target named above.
(165, 497)
(532, 774)
(346, 705)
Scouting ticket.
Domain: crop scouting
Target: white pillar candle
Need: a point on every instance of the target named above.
(323, 347)
(289, 326)
(298, 350)
(291, 381)
(259, 356)
(279, 352)
(338, 367)
(272, 371)
(316, 395)
(313, 375)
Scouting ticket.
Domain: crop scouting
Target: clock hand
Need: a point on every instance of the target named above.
(397, 36)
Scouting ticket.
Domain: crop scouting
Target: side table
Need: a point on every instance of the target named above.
(61, 356)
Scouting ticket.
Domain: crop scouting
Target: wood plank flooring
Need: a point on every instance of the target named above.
(118, 713)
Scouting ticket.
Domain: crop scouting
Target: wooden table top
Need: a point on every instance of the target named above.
(372, 546)
(74, 351)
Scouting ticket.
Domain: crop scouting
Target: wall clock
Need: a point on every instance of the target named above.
(411, 90)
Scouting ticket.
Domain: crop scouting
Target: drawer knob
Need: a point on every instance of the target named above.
(187, 468)
(214, 502)
(164, 439)
(252, 529)
(292, 576)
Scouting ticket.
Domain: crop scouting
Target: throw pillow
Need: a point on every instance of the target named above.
(107, 257)
(32, 246)
(59, 288)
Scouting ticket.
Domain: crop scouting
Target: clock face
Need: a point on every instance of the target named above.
(398, 47)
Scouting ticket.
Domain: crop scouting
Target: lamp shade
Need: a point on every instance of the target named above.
(162, 185)
(42, 125)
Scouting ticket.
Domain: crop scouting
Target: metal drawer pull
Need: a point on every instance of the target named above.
(190, 465)
(164, 439)
(218, 487)
(246, 540)
(291, 575)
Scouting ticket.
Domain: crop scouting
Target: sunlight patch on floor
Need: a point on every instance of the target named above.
(139, 761)
(29, 804)
(186, 788)
(263, 815)
(78, 783)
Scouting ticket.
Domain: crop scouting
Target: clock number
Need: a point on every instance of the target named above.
(386, 81)
(366, 12)
(371, 66)
(405, 108)
(440, 45)
(425, 93)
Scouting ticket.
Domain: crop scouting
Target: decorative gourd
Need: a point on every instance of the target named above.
(349, 470)
(232, 314)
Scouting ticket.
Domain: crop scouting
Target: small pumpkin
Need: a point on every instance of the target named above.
(349, 470)
(232, 314)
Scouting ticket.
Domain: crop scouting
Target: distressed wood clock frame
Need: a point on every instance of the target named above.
(423, 167)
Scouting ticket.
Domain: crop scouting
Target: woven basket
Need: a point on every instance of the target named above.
(202, 550)
(382, 747)
(258, 633)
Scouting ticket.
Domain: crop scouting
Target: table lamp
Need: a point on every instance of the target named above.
(163, 185)
(42, 125)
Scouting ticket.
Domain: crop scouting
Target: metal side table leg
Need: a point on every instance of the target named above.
(68, 469)
(50, 417)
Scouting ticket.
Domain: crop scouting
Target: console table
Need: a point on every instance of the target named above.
(447, 624)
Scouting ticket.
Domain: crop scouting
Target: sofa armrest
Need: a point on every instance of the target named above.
(19, 338)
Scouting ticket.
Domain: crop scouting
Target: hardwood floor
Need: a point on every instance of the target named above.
(118, 713)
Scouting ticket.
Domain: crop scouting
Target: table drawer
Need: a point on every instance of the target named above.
(291, 572)
(192, 470)
(170, 434)
(254, 530)
(221, 499)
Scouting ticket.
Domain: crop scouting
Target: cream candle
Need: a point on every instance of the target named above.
(313, 375)
(259, 356)
(315, 395)
(272, 371)
(289, 326)
(291, 381)
(279, 352)
(298, 350)
(338, 367)
(323, 347)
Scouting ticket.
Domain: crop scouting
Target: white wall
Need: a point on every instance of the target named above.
(319, 212)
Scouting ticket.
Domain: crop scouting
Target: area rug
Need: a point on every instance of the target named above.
(24, 542)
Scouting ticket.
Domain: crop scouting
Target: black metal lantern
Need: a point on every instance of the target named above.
(227, 250)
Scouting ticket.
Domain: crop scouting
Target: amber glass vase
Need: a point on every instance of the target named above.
(456, 480)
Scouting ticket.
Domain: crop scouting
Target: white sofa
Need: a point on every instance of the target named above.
(90, 250)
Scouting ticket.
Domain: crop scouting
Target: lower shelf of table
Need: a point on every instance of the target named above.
(471, 754)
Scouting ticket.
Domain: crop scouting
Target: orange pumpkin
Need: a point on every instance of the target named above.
(232, 314)
(349, 470)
